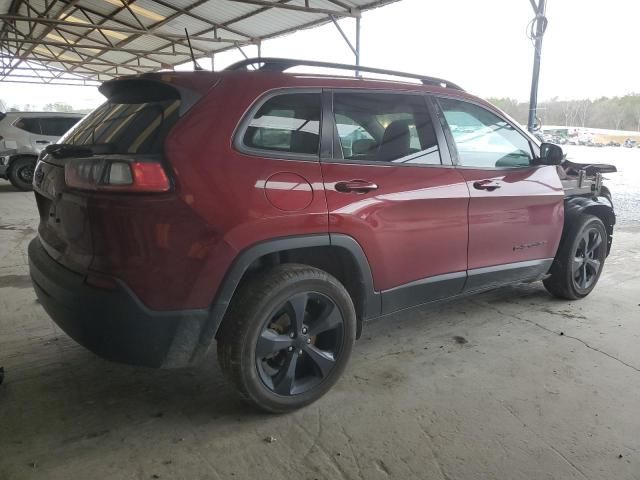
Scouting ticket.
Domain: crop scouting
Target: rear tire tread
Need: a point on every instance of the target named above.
(245, 306)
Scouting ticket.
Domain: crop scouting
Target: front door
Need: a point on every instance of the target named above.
(516, 210)
(392, 188)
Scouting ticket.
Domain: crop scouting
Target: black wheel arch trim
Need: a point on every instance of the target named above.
(18, 156)
(371, 303)
(600, 206)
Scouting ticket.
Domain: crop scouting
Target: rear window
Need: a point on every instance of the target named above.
(286, 123)
(127, 127)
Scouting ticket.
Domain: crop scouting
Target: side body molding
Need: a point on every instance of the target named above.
(371, 304)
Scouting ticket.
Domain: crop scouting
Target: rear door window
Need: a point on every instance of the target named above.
(288, 123)
(57, 126)
(383, 127)
(127, 127)
(31, 125)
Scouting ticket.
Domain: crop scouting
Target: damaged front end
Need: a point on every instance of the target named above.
(584, 178)
(586, 195)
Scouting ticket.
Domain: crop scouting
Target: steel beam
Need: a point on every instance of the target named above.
(299, 8)
(344, 35)
(358, 45)
(102, 63)
(540, 27)
(90, 26)
(97, 47)
(355, 49)
(85, 83)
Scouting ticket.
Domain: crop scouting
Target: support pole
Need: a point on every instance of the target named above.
(540, 27)
(357, 45)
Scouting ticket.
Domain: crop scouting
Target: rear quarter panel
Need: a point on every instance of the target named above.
(181, 246)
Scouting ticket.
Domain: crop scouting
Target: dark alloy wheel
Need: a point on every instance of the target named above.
(580, 259)
(586, 260)
(21, 173)
(300, 344)
(287, 336)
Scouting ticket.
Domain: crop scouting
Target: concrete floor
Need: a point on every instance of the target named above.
(511, 384)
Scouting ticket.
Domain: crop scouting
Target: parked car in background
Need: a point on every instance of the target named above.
(23, 135)
(274, 213)
(628, 143)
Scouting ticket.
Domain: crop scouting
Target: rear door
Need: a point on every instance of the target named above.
(391, 187)
(31, 138)
(516, 211)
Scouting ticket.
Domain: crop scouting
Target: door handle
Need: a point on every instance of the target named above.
(355, 186)
(487, 185)
(43, 141)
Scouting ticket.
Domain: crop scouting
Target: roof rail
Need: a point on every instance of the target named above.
(270, 64)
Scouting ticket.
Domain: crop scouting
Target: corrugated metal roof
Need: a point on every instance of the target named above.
(84, 41)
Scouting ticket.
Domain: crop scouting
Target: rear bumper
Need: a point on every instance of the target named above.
(114, 324)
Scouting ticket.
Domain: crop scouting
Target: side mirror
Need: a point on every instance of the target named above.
(550, 154)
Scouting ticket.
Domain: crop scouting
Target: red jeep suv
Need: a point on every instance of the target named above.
(275, 212)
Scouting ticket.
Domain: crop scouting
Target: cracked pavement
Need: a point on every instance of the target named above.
(510, 384)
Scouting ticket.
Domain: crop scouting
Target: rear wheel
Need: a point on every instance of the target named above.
(287, 337)
(579, 261)
(21, 173)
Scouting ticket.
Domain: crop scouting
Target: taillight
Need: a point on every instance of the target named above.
(97, 174)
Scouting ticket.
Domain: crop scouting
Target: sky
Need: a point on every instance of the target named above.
(589, 50)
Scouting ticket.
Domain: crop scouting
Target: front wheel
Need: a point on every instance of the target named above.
(580, 259)
(287, 337)
(21, 173)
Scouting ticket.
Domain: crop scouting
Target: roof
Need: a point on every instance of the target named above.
(89, 41)
(255, 83)
(42, 114)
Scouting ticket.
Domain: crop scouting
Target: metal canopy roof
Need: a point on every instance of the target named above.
(89, 41)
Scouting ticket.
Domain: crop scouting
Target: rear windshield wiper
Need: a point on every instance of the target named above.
(65, 150)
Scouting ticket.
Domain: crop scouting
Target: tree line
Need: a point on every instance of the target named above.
(615, 113)
(49, 107)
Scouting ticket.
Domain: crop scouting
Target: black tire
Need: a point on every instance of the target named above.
(262, 317)
(580, 259)
(21, 173)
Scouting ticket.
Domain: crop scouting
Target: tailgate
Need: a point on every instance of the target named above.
(64, 221)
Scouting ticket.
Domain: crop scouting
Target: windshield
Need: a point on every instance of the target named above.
(126, 127)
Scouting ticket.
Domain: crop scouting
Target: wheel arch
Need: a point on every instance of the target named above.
(18, 156)
(600, 206)
(337, 254)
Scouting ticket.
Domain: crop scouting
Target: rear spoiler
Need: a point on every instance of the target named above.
(141, 90)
